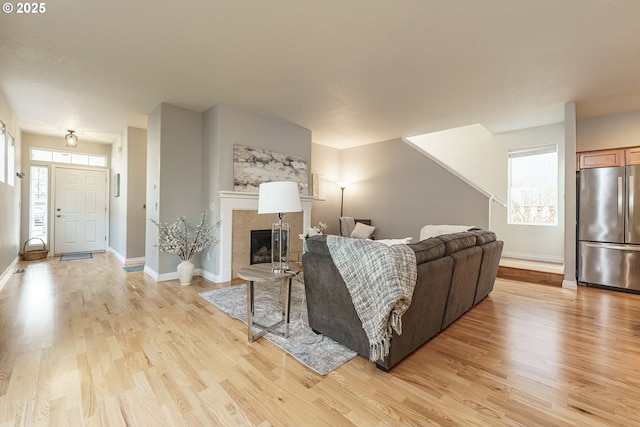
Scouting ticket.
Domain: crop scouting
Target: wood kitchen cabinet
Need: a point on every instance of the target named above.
(604, 158)
(632, 156)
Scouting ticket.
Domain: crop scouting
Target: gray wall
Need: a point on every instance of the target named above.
(398, 188)
(225, 125)
(126, 214)
(136, 191)
(174, 173)
(10, 243)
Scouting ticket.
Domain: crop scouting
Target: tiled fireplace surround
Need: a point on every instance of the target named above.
(238, 216)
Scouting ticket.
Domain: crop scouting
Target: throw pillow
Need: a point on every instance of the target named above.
(362, 231)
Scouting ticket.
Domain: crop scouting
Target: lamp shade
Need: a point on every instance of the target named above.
(278, 197)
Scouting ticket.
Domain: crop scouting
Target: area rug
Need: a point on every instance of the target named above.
(317, 352)
(72, 257)
(131, 268)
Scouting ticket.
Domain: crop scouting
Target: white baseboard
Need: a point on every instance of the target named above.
(174, 275)
(116, 254)
(126, 261)
(534, 257)
(215, 278)
(163, 277)
(134, 261)
(4, 277)
(151, 273)
(570, 284)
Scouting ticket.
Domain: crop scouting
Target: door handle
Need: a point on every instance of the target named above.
(631, 207)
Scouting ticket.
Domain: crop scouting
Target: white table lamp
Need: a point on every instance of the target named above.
(279, 197)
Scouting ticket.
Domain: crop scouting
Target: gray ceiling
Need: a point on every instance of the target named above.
(352, 71)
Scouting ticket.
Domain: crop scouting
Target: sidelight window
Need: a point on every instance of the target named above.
(39, 202)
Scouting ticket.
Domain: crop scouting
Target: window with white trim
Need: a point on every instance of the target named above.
(11, 161)
(39, 202)
(3, 143)
(533, 185)
(68, 157)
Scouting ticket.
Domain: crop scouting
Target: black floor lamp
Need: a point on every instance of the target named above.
(342, 185)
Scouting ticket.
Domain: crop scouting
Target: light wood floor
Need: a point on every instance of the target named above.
(85, 343)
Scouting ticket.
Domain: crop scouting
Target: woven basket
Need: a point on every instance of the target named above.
(33, 254)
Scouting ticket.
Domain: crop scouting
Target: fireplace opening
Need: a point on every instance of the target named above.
(260, 251)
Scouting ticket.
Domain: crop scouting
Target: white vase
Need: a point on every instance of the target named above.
(185, 272)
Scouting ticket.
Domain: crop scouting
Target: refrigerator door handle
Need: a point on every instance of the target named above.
(621, 218)
(630, 208)
(634, 248)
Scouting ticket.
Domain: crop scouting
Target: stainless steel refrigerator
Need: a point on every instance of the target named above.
(609, 227)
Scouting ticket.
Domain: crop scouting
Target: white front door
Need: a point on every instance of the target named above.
(80, 211)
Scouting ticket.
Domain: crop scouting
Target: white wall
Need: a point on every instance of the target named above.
(614, 131)
(570, 197)
(10, 242)
(326, 161)
(118, 205)
(154, 133)
(535, 242)
(472, 153)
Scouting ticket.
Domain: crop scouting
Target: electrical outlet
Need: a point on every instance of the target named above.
(213, 206)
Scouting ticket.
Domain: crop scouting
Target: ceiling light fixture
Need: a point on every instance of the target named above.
(71, 139)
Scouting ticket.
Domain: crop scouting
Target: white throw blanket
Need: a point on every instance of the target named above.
(438, 230)
(380, 280)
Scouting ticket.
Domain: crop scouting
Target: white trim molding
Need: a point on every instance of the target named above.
(533, 257)
(4, 277)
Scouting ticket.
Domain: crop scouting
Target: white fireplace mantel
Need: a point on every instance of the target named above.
(231, 201)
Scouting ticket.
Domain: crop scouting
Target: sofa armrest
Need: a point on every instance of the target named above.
(331, 311)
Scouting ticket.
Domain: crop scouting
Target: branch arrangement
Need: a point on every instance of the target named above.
(185, 239)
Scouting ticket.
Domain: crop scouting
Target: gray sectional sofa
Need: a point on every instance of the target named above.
(455, 272)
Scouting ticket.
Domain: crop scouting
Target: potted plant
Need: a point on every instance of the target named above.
(185, 240)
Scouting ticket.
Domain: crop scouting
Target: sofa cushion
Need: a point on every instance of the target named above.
(428, 250)
(457, 241)
(483, 236)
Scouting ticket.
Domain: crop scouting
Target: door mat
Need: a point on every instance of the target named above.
(72, 257)
(131, 268)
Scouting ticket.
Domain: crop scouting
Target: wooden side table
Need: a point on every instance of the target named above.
(262, 273)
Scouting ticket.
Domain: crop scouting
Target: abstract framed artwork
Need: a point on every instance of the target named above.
(252, 166)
